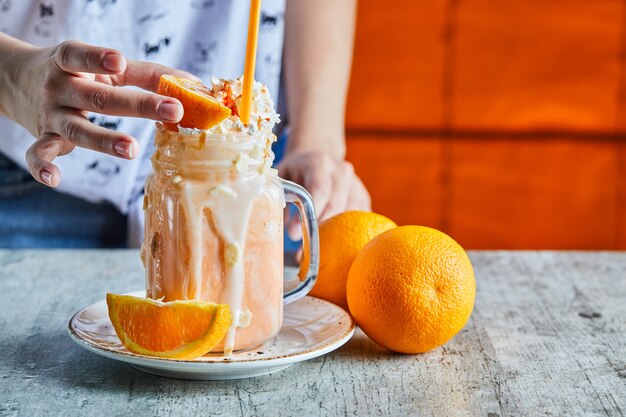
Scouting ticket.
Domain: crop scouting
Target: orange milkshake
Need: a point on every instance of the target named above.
(214, 218)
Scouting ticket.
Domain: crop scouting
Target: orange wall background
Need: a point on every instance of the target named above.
(498, 122)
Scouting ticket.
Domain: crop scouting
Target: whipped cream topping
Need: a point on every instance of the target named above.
(263, 116)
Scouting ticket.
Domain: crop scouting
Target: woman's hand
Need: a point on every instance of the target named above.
(333, 184)
(54, 88)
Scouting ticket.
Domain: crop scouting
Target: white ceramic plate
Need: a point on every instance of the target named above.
(312, 328)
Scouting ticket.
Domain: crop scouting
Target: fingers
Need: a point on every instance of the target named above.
(292, 224)
(69, 92)
(40, 155)
(74, 56)
(78, 57)
(74, 127)
(146, 75)
(359, 198)
(319, 182)
(343, 178)
(101, 98)
(333, 184)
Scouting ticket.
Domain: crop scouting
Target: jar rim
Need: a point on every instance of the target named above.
(233, 150)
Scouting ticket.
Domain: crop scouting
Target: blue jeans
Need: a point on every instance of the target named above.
(35, 216)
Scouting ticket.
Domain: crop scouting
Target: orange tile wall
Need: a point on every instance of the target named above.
(500, 123)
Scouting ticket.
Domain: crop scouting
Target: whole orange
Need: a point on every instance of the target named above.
(411, 289)
(341, 238)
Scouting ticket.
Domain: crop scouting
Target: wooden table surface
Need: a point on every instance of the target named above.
(547, 337)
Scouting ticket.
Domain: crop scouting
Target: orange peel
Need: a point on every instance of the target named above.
(202, 110)
(182, 329)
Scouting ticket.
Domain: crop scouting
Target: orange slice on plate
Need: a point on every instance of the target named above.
(202, 110)
(183, 329)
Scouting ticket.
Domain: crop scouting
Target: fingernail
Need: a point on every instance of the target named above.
(46, 176)
(171, 112)
(124, 148)
(112, 62)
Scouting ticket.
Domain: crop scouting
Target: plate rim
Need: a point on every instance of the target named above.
(221, 366)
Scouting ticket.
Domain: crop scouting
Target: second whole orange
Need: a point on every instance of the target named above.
(411, 289)
(341, 238)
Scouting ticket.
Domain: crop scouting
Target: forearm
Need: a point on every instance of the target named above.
(318, 56)
(10, 48)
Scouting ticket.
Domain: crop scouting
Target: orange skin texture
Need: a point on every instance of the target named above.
(202, 110)
(341, 238)
(411, 289)
(183, 329)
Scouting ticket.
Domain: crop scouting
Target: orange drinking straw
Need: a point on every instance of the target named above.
(248, 72)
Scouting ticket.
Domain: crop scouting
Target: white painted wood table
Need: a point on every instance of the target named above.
(547, 337)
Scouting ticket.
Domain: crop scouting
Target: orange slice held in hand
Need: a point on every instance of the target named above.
(202, 110)
(182, 329)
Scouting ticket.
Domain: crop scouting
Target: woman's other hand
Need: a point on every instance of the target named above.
(333, 184)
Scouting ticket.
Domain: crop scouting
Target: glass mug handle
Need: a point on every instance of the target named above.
(309, 265)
